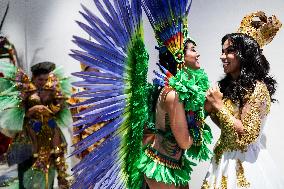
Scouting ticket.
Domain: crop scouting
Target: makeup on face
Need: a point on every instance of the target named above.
(40, 80)
(231, 64)
(191, 56)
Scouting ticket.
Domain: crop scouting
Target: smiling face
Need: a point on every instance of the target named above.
(191, 56)
(230, 60)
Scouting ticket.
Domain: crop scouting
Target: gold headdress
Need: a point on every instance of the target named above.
(261, 28)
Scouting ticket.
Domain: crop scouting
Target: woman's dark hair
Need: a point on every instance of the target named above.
(40, 72)
(167, 60)
(254, 67)
(42, 68)
(186, 42)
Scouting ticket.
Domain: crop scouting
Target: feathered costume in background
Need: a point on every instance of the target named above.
(119, 94)
(16, 91)
(14, 86)
(7, 49)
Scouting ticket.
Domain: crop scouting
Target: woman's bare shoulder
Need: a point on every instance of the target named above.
(169, 97)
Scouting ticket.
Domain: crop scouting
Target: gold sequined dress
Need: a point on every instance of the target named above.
(241, 161)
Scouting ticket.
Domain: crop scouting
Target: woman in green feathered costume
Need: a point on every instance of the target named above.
(179, 123)
(34, 110)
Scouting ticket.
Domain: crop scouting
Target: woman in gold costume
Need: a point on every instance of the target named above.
(35, 115)
(240, 106)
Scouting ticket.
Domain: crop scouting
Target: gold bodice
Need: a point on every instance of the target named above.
(41, 126)
(252, 115)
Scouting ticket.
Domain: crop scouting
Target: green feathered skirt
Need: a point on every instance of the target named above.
(161, 168)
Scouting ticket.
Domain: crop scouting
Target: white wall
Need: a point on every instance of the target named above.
(42, 30)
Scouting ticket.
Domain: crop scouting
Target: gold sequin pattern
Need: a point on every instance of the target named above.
(228, 133)
(225, 117)
(43, 160)
(257, 106)
(224, 184)
(55, 108)
(61, 166)
(241, 179)
(205, 185)
(23, 82)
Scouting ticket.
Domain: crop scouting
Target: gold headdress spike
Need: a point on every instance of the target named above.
(260, 27)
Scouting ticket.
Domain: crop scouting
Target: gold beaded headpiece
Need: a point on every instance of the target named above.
(260, 27)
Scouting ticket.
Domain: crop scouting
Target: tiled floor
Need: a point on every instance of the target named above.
(8, 174)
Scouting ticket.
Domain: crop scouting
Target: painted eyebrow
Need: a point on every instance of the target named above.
(231, 46)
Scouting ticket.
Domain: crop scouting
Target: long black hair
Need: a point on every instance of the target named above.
(254, 67)
(167, 60)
